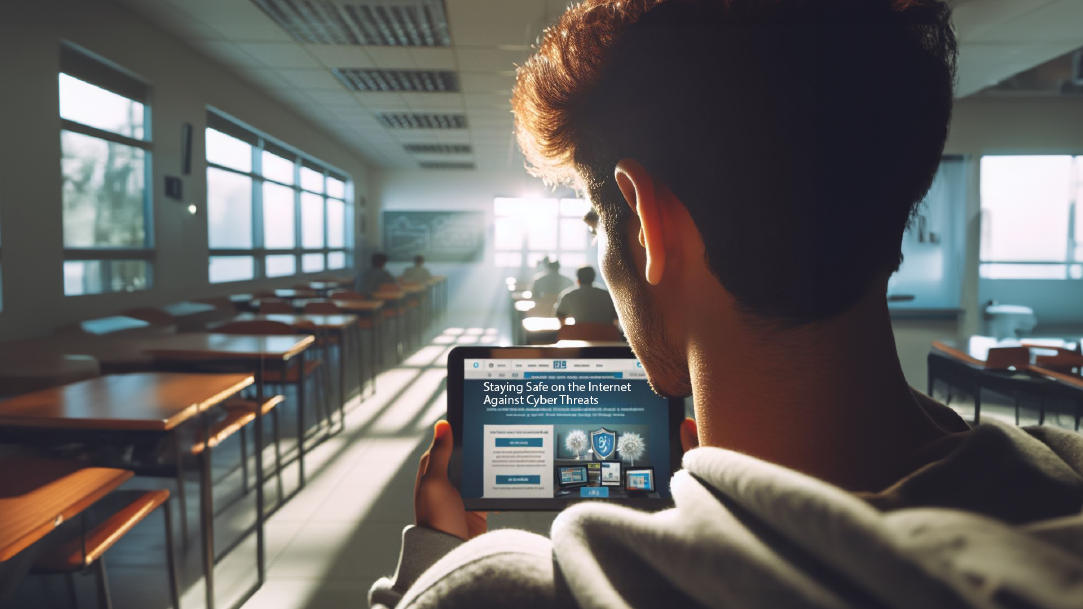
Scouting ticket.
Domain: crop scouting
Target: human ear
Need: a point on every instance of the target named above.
(639, 192)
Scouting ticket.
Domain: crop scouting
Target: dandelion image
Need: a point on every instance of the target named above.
(631, 446)
(576, 442)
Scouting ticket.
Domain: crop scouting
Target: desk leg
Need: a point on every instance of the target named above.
(182, 495)
(343, 341)
(261, 566)
(206, 511)
(302, 429)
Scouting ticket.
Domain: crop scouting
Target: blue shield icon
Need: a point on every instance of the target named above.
(603, 442)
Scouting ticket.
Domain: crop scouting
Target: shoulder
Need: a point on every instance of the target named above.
(505, 568)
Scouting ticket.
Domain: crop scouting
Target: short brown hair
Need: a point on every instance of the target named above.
(799, 134)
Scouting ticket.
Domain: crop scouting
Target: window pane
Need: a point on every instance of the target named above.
(574, 234)
(533, 258)
(102, 276)
(311, 180)
(569, 262)
(232, 268)
(103, 192)
(509, 234)
(277, 168)
(1078, 209)
(91, 105)
(229, 210)
(278, 217)
(1023, 271)
(311, 221)
(509, 259)
(336, 223)
(574, 207)
(336, 188)
(311, 263)
(280, 265)
(1025, 203)
(336, 260)
(541, 232)
(228, 151)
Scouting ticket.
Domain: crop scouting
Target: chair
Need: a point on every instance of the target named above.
(600, 332)
(329, 308)
(290, 375)
(275, 306)
(70, 558)
(348, 295)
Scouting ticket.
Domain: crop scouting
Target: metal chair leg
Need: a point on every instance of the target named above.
(170, 557)
(72, 592)
(278, 455)
(244, 461)
(182, 501)
(104, 600)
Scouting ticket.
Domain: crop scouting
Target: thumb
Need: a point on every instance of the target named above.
(689, 434)
(440, 452)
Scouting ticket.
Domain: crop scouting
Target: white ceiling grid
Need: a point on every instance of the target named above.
(998, 38)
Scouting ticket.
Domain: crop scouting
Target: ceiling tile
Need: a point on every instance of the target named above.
(495, 22)
(266, 77)
(390, 100)
(334, 56)
(226, 53)
(487, 82)
(312, 79)
(280, 55)
(1059, 21)
(333, 98)
(433, 58)
(489, 60)
(391, 57)
(433, 101)
(252, 32)
(487, 100)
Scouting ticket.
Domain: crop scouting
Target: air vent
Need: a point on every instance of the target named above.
(438, 148)
(446, 165)
(403, 120)
(391, 23)
(435, 81)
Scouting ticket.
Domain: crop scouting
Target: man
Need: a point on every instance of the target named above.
(551, 284)
(586, 303)
(754, 164)
(378, 276)
(417, 273)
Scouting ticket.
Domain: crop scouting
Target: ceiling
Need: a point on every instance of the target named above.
(488, 38)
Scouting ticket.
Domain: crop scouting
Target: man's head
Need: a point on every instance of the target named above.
(585, 275)
(419, 260)
(554, 266)
(379, 259)
(794, 136)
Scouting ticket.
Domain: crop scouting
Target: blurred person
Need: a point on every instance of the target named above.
(754, 165)
(417, 273)
(378, 276)
(586, 303)
(551, 284)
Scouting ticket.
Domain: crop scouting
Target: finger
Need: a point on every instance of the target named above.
(689, 435)
(422, 467)
(440, 453)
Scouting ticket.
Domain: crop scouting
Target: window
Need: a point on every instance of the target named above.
(529, 229)
(271, 212)
(1031, 225)
(105, 169)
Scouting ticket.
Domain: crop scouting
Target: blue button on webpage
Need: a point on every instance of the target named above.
(511, 442)
(519, 480)
(594, 491)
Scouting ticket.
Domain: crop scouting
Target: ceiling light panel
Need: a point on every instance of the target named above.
(438, 148)
(410, 120)
(446, 165)
(432, 81)
(412, 23)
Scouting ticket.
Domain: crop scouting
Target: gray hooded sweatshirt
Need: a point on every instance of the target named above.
(995, 523)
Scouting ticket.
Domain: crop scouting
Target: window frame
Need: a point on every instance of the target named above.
(259, 144)
(1073, 267)
(87, 67)
(527, 250)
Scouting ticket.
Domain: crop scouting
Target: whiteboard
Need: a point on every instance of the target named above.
(439, 236)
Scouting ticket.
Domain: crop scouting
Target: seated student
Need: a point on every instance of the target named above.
(542, 269)
(378, 276)
(586, 303)
(551, 284)
(417, 273)
(754, 164)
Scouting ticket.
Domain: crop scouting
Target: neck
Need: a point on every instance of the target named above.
(828, 399)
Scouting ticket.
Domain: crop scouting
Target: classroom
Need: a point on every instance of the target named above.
(541, 303)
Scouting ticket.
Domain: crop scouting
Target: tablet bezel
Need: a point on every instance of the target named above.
(456, 374)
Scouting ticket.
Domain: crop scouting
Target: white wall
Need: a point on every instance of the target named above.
(183, 84)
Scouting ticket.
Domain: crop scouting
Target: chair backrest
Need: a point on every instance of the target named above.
(348, 295)
(590, 331)
(322, 308)
(274, 305)
(156, 317)
(260, 327)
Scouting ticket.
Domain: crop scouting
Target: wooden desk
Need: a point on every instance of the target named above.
(150, 401)
(541, 330)
(290, 294)
(117, 324)
(25, 367)
(322, 288)
(193, 316)
(38, 495)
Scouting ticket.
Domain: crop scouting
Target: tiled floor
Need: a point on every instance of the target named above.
(330, 542)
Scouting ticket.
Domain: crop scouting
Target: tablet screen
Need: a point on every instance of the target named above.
(564, 429)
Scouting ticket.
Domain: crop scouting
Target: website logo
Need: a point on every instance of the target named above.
(559, 364)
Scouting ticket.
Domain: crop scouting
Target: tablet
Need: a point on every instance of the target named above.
(538, 428)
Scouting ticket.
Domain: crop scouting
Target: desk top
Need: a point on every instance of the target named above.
(389, 295)
(287, 293)
(324, 285)
(150, 401)
(187, 308)
(207, 346)
(992, 353)
(541, 324)
(324, 322)
(17, 362)
(359, 306)
(107, 325)
(524, 305)
(38, 495)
